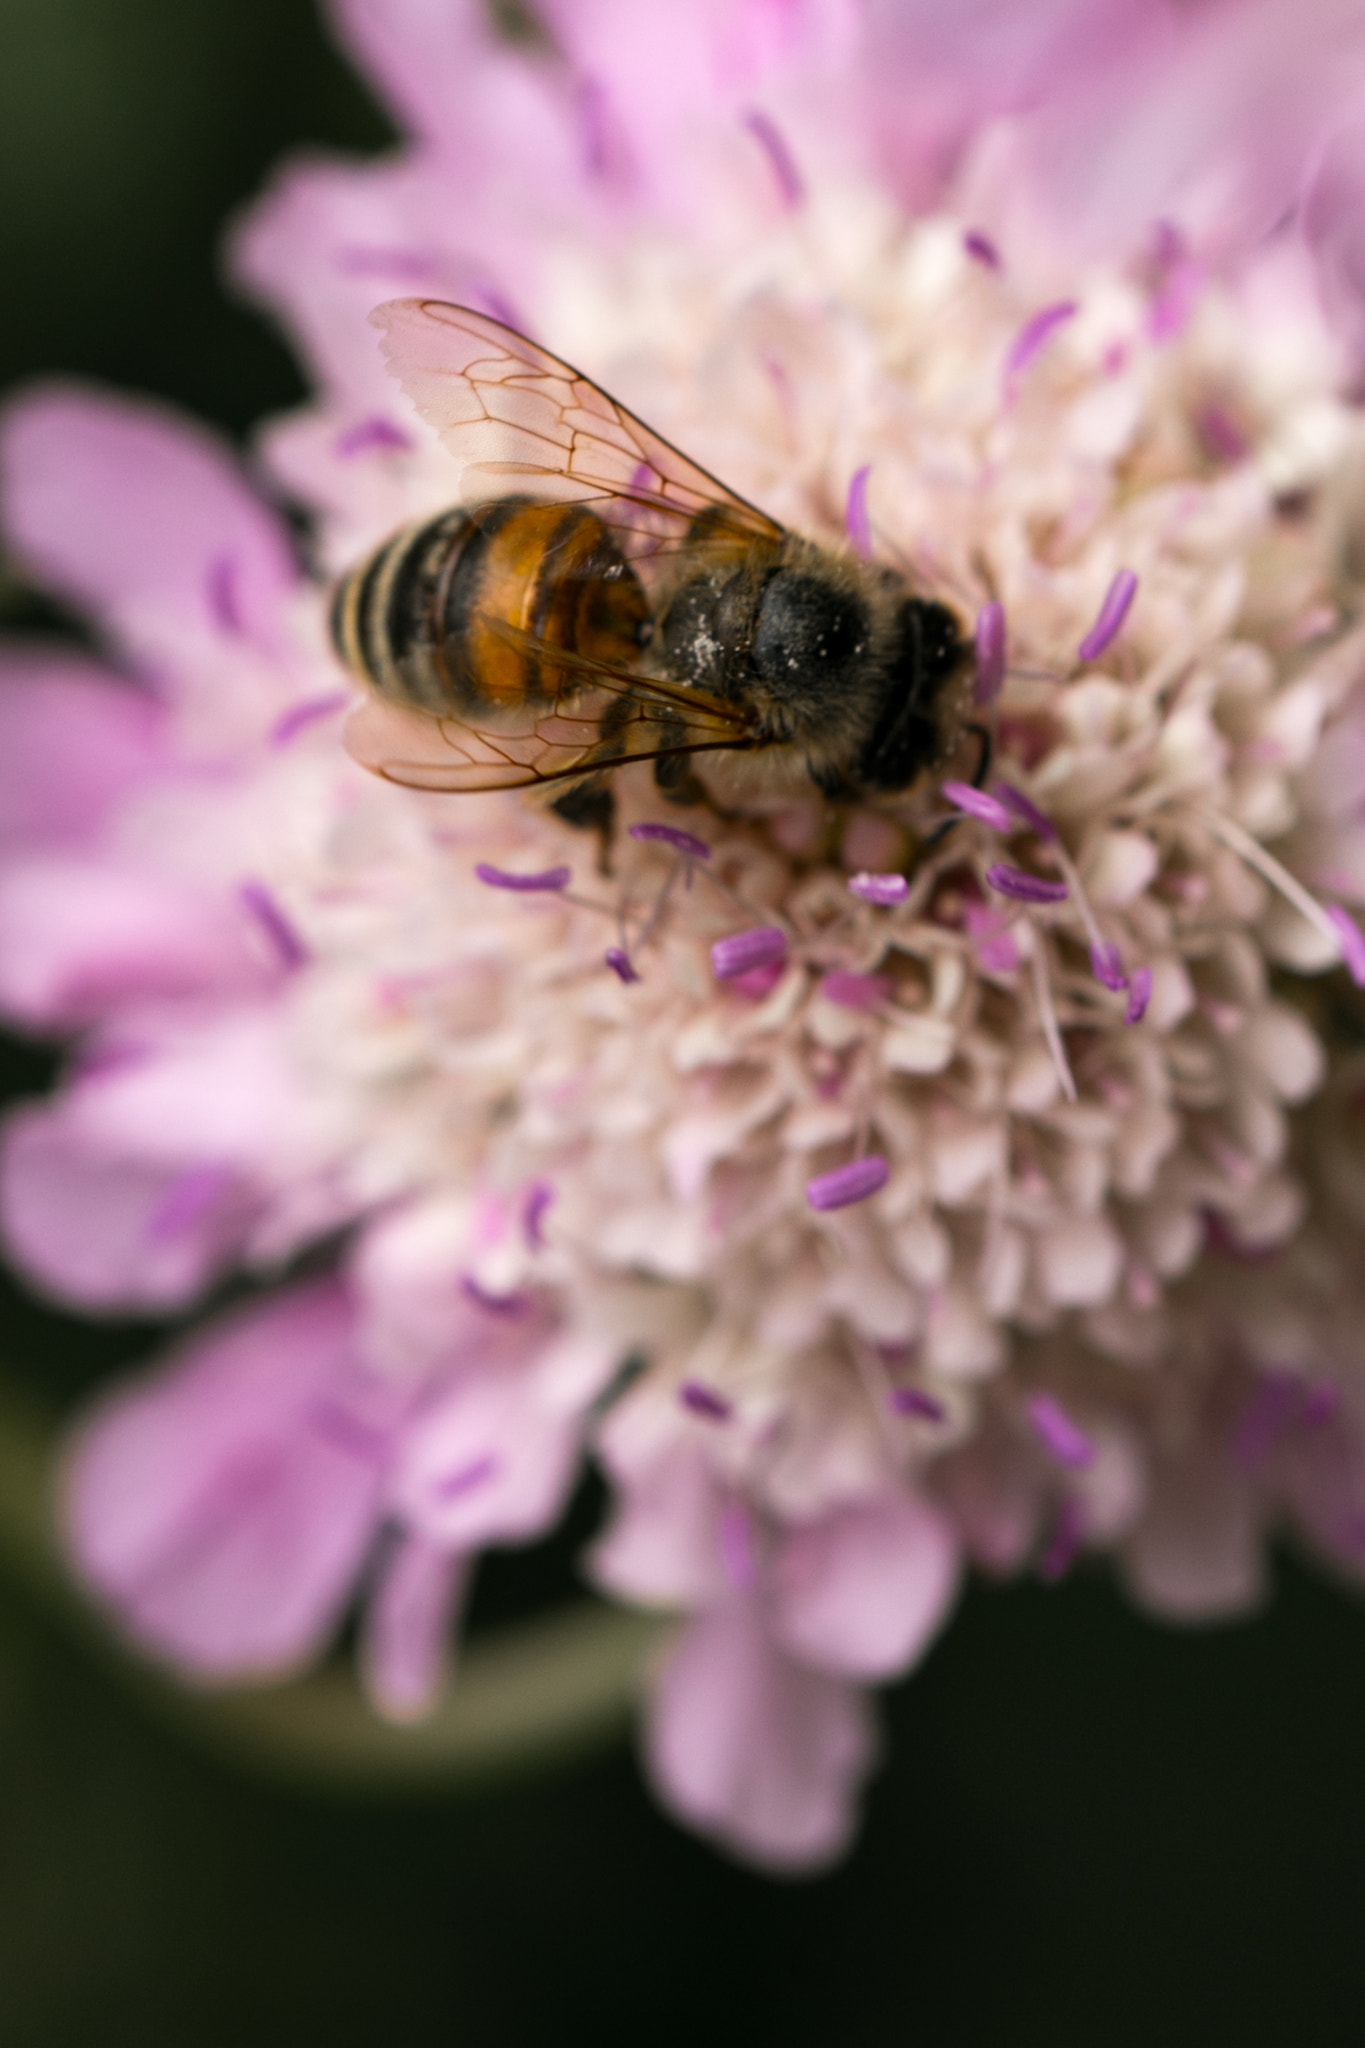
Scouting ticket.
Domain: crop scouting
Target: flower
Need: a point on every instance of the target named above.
(974, 1174)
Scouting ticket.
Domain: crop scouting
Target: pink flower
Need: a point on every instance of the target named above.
(974, 286)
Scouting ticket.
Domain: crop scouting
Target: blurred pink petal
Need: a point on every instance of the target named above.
(408, 1623)
(139, 515)
(222, 1505)
(413, 50)
(79, 937)
(109, 1230)
(763, 1754)
(863, 1591)
(662, 1543)
(489, 1463)
(74, 740)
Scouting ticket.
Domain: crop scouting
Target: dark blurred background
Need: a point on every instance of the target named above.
(1090, 1832)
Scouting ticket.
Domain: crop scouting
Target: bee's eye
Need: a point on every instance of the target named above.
(805, 624)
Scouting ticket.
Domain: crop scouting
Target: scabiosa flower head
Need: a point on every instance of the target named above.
(974, 1170)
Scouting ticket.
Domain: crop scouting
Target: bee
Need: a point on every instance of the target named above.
(599, 599)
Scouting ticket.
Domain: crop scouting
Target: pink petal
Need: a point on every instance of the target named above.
(490, 1463)
(74, 740)
(413, 52)
(79, 937)
(863, 1591)
(140, 517)
(764, 1755)
(223, 1504)
(110, 1230)
(406, 1641)
(662, 1544)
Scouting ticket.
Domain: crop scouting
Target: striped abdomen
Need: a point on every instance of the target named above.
(419, 620)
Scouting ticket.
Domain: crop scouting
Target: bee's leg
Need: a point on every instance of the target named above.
(983, 769)
(590, 806)
(832, 782)
(676, 779)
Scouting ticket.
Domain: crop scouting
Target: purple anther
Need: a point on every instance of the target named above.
(1025, 810)
(883, 889)
(1058, 1434)
(187, 1200)
(306, 713)
(1022, 887)
(762, 946)
(1112, 614)
(1106, 964)
(705, 1401)
(539, 1198)
(1220, 433)
(990, 652)
(855, 991)
(848, 1184)
(782, 163)
(1068, 1534)
(620, 964)
(1352, 942)
(759, 981)
(465, 1478)
(977, 804)
(914, 1401)
(981, 249)
(512, 1306)
(223, 595)
(674, 836)
(285, 942)
(549, 879)
(856, 522)
(1034, 335)
(375, 432)
(1139, 995)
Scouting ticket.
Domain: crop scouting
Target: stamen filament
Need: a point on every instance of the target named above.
(1279, 877)
(1047, 1017)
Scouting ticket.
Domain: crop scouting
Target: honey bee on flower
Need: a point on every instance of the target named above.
(894, 1147)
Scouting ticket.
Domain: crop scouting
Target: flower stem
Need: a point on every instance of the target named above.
(526, 1696)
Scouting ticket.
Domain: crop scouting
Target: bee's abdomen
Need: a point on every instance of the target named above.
(420, 620)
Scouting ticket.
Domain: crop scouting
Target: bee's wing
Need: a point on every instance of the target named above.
(515, 416)
(611, 717)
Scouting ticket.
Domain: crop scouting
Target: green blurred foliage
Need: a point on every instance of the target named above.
(129, 130)
(1091, 1832)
